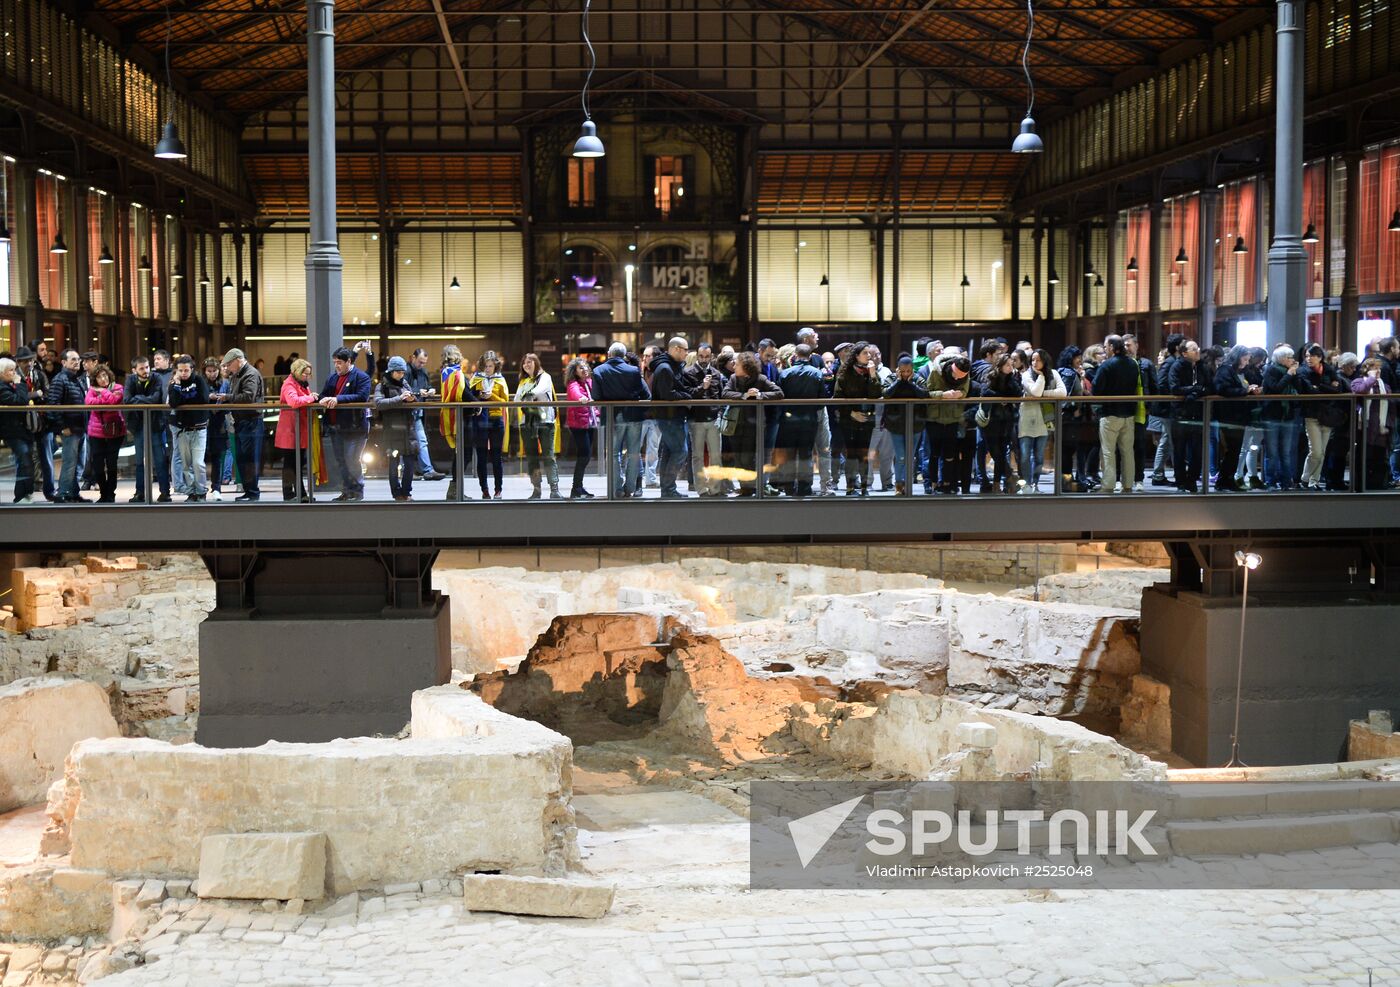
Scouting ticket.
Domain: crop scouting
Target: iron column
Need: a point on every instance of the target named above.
(1288, 261)
(325, 328)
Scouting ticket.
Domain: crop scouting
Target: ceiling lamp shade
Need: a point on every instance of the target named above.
(826, 281)
(1091, 273)
(170, 147)
(1310, 235)
(1026, 281)
(228, 283)
(1132, 265)
(106, 256)
(204, 280)
(1054, 277)
(59, 247)
(1181, 260)
(1098, 280)
(588, 145)
(455, 285)
(178, 274)
(5, 233)
(1394, 226)
(144, 264)
(965, 282)
(1239, 247)
(1027, 141)
(246, 287)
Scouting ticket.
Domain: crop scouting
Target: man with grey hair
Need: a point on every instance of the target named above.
(245, 387)
(617, 380)
(1282, 420)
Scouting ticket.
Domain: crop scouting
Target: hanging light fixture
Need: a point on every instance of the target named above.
(59, 247)
(1239, 247)
(228, 283)
(1090, 272)
(246, 287)
(1394, 226)
(204, 279)
(965, 282)
(169, 146)
(455, 285)
(1098, 280)
(178, 274)
(1054, 277)
(1026, 281)
(1028, 141)
(1310, 236)
(144, 264)
(106, 256)
(1181, 260)
(588, 144)
(825, 281)
(1132, 265)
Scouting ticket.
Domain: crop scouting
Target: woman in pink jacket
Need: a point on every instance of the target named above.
(105, 432)
(296, 393)
(581, 421)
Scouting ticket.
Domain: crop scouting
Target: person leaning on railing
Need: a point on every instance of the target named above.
(948, 380)
(1320, 418)
(105, 431)
(348, 428)
(190, 427)
(245, 388)
(1377, 423)
(748, 384)
(15, 429)
(393, 398)
(292, 433)
(65, 390)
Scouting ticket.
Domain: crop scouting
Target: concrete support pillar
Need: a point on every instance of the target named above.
(351, 650)
(1288, 261)
(325, 329)
(1294, 707)
(1351, 247)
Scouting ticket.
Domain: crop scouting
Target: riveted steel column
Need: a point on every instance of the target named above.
(1288, 261)
(325, 328)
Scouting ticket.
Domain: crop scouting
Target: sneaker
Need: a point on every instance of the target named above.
(248, 498)
(534, 495)
(164, 498)
(338, 498)
(555, 494)
(675, 495)
(138, 499)
(434, 475)
(26, 500)
(194, 499)
(486, 494)
(215, 495)
(1138, 487)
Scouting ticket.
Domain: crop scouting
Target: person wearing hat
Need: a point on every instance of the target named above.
(36, 382)
(393, 399)
(245, 387)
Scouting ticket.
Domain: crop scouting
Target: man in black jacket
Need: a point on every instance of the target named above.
(1148, 375)
(1163, 411)
(190, 426)
(667, 385)
(69, 424)
(703, 383)
(618, 380)
(1118, 376)
(1186, 382)
(144, 387)
(245, 389)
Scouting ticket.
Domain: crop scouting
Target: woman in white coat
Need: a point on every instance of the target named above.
(1037, 419)
(537, 425)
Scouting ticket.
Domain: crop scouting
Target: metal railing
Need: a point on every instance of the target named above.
(774, 446)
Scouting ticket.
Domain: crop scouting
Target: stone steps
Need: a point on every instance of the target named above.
(1215, 800)
(1280, 833)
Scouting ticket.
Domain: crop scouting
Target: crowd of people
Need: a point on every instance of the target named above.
(790, 419)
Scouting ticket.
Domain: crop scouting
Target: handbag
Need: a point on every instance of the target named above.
(729, 421)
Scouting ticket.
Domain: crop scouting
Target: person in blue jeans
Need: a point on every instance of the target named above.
(1282, 420)
(14, 429)
(69, 424)
(245, 390)
(421, 386)
(144, 387)
(618, 380)
(348, 428)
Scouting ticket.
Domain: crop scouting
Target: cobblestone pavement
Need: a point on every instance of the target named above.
(994, 938)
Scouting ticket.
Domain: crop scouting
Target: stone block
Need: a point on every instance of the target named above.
(263, 865)
(34, 906)
(982, 736)
(40, 721)
(536, 896)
